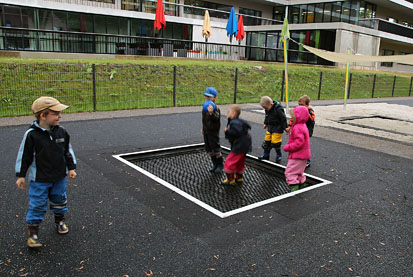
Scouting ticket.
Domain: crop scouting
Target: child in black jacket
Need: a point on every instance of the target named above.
(47, 155)
(275, 122)
(240, 140)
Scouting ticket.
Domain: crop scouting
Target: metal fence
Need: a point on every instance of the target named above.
(89, 87)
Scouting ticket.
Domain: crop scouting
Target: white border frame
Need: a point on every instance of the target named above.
(204, 205)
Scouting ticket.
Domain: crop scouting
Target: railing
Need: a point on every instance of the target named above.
(387, 26)
(89, 87)
(96, 3)
(21, 39)
(194, 10)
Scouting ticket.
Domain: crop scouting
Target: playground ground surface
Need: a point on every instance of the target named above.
(123, 223)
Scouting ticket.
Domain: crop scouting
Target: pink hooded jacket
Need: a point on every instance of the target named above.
(299, 140)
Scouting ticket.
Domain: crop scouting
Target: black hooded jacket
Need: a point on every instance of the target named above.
(46, 154)
(275, 118)
(238, 135)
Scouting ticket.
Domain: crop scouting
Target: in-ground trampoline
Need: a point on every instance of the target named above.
(184, 169)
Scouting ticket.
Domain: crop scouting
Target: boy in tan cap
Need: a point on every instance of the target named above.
(46, 153)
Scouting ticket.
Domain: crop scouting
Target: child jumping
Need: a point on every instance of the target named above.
(211, 124)
(275, 122)
(299, 149)
(46, 153)
(305, 101)
(240, 140)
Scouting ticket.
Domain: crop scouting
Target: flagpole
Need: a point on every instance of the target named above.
(286, 73)
(346, 85)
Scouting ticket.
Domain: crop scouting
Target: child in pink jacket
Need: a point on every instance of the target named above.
(298, 147)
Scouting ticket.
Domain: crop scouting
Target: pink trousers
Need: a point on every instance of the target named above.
(294, 173)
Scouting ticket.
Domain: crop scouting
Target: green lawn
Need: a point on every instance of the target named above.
(149, 82)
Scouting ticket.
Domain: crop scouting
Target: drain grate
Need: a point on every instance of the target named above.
(185, 170)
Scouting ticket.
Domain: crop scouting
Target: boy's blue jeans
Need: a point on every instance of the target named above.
(39, 192)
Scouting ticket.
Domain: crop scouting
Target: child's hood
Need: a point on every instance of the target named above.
(301, 114)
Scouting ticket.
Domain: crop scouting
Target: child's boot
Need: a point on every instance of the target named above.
(303, 185)
(220, 165)
(61, 227)
(214, 164)
(238, 178)
(294, 187)
(33, 240)
(265, 156)
(279, 155)
(229, 180)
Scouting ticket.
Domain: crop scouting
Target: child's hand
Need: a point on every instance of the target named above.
(225, 129)
(265, 126)
(72, 174)
(287, 130)
(20, 183)
(202, 131)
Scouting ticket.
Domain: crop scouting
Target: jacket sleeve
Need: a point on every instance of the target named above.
(283, 118)
(297, 143)
(266, 118)
(25, 155)
(233, 131)
(69, 154)
(312, 114)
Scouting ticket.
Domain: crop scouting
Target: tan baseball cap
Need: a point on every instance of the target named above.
(45, 102)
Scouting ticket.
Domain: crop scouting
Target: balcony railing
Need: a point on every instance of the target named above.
(387, 26)
(96, 3)
(19, 39)
(175, 9)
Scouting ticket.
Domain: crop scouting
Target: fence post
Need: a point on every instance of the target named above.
(394, 84)
(374, 85)
(282, 87)
(410, 89)
(319, 84)
(174, 87)
(349, 86)
(94, 86)
(236, 85)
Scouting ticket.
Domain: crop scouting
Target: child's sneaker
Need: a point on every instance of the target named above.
(62, 228)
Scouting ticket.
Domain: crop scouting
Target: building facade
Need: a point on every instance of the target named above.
(374, 27)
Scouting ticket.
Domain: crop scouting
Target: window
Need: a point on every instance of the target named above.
(336, 12)
(303, 14)
(318, 12)
(45, 19)
(279, 13)
(310, 13)
(59, 21)
(345, 15)
(73, 22)
(100, 24)
(294, 16)
(209, 5)
(123, 26)
(386, 52)
(12, 17)
(249, 21)
(112, 25)
(354, 11)
(327, 12)
(131, 5)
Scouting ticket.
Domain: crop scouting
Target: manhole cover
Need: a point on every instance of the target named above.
(184, 169)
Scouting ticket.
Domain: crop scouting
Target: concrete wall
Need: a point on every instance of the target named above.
(358, 43)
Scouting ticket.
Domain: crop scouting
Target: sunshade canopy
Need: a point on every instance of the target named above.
(232, 25)
(241, 33)
(160, 22)
(344, 58)
(206, 27)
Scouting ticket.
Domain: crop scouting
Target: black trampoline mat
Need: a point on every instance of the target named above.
(185, 170)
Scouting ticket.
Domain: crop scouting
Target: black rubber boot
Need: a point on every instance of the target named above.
(279, 155)
(220, 165)
(265, 156)
(214, 164)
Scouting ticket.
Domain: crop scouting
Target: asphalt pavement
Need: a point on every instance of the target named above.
(123, 223)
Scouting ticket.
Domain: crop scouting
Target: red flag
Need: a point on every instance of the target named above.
(241, 33)
(160, 22)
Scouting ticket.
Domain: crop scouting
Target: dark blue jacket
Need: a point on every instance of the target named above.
(238, 135)
(48, 154)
